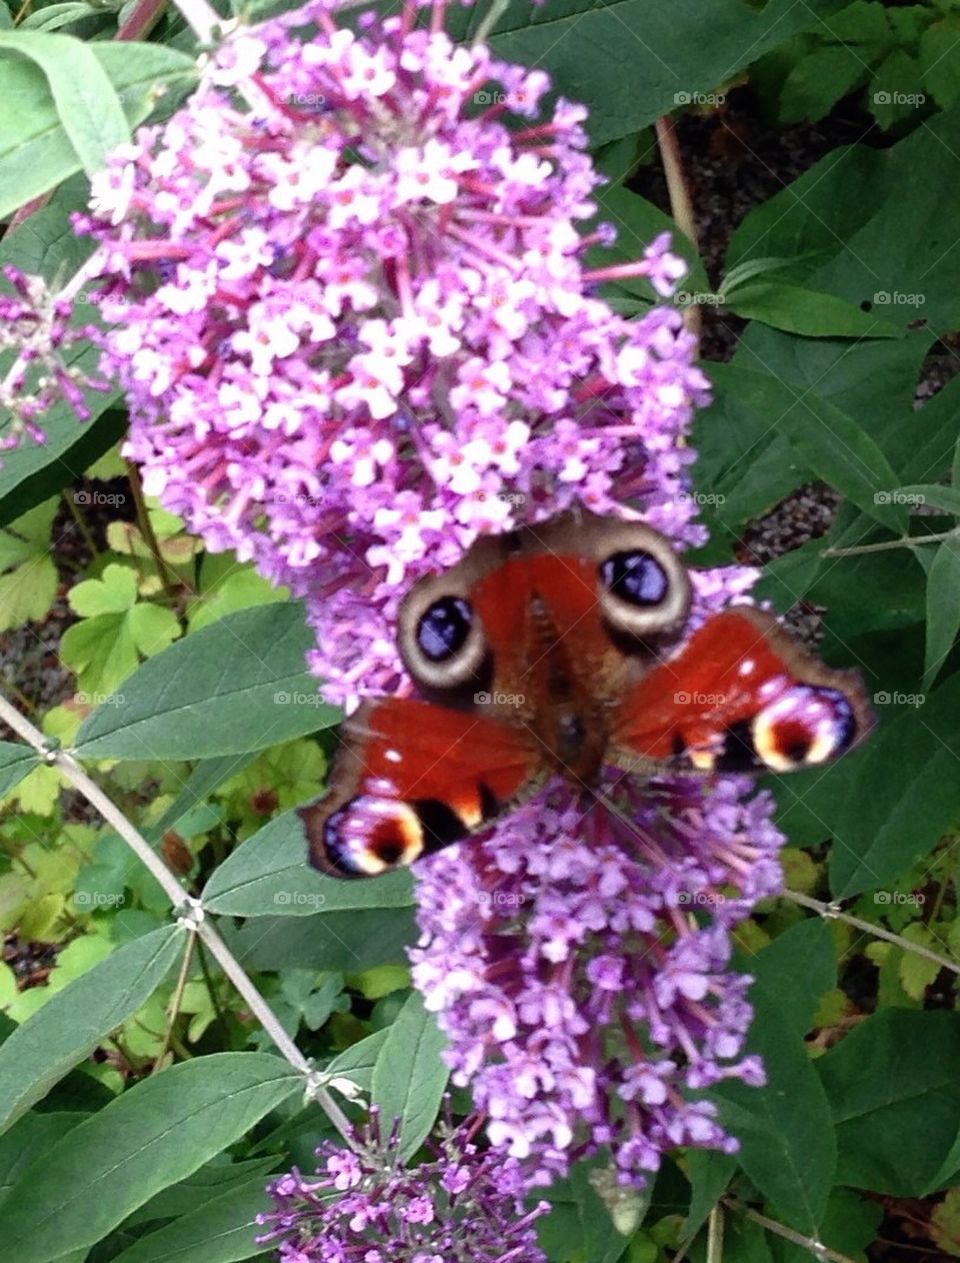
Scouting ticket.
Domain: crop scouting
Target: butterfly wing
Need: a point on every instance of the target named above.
(741, 697)
(412, 777)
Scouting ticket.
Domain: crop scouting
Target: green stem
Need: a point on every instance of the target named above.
(81, 523)
(907, 541)
(832, 913)
(493, 15)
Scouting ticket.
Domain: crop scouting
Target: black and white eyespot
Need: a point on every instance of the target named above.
(644, 588)
(441, 640)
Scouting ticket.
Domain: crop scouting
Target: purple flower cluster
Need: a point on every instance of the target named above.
(356, 328)
(578, 965)
(363, 1205)
(35, 325)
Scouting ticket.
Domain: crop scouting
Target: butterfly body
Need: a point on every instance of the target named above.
(558, 650)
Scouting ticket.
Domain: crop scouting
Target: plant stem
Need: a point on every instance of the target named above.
(490, 20)
(906, 541)
(832, 912)
(81, 522)
(817, 1248)
(147, 531)
(189, 911)
(681, 207)
(175, 1001)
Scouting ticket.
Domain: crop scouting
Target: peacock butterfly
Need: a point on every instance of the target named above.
(550, 650)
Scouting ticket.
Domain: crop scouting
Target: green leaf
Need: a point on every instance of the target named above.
(73, 1022)
(932, 494)
(28, 1141)
(221, 1231)
(894, 94)
(904, 793)
(153, 1135)
(37, 152)
(940, 59)
(798, 967)
(787, 1143)
(357, 1061)
(86, 101)
(28, 583)
(214, 1179)
(894, 1088)
(710, 1173)
(943, 608)
(236, 686)
(16, 761)
(409, 1075)
(347, 941)
(840, 452)
(819, 79)
(632, 62)
(268, 875)
(203, 780)
(809, 312)
(116, 630)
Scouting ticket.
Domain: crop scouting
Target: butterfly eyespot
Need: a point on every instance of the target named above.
(444, 628)
(806, 726)
(442, 641)
(644, 589)
(635, 577)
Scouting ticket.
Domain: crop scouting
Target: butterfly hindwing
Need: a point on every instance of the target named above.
(411, 777)
(740, 697)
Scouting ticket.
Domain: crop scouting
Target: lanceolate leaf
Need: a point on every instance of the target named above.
(75, 1020)
(235, 686)
(409, 1075)
(221, 1231)
(269, 876)
(153, 1135)
(943, 607)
